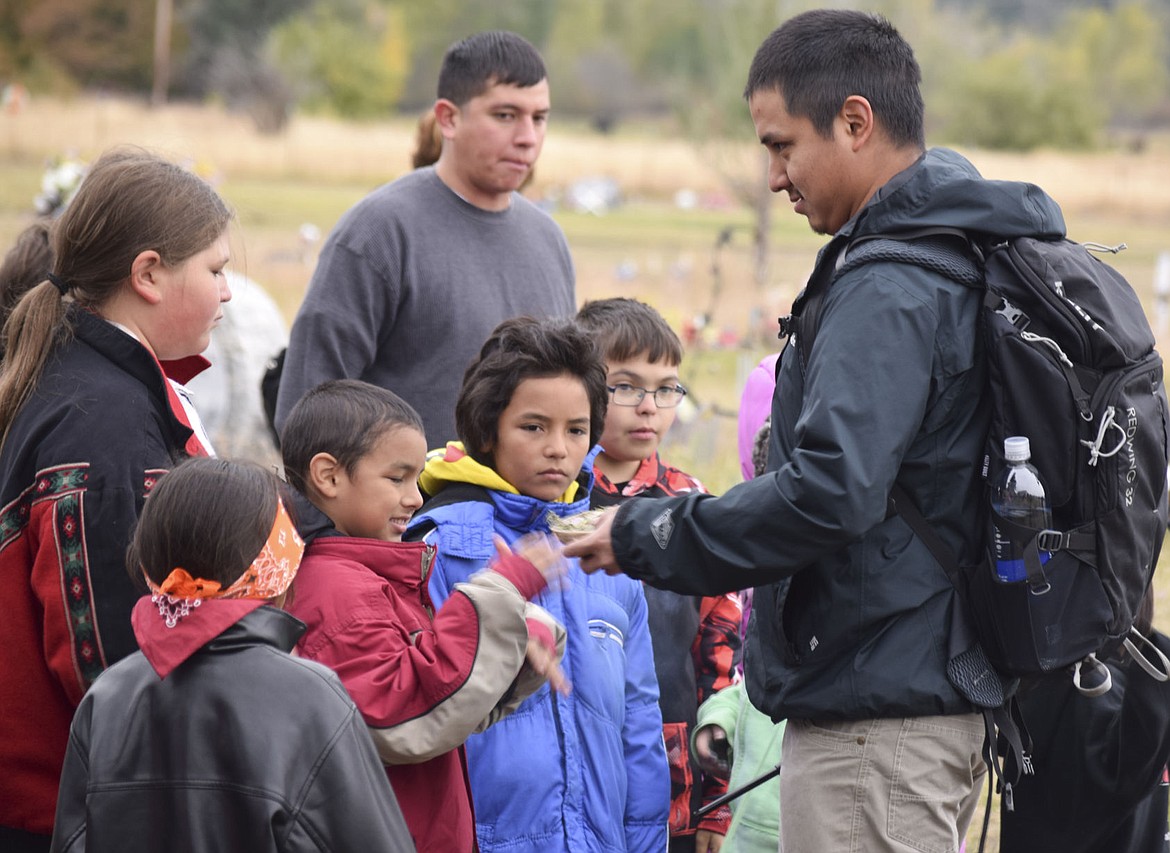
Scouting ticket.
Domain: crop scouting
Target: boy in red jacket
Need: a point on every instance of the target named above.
(423, 680)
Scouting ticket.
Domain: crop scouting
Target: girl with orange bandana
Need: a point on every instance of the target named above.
(213, 737)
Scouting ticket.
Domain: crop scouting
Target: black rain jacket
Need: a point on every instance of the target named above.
(853, 617)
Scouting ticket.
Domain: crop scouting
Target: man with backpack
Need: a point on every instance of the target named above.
(857, 629)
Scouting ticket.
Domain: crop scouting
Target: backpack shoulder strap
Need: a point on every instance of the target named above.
(973, 675)
(946, 251)
(950, 252)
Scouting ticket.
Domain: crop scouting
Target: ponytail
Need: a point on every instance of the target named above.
(34, 328)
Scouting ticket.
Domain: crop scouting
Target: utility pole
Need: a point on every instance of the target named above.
(163, 12)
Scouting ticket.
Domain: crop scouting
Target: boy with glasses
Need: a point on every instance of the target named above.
(696, 640)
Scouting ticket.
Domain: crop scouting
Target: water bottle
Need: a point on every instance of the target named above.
(1018, 495)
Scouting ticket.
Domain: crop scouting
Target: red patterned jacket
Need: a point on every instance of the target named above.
(78, 462)
(696, 648)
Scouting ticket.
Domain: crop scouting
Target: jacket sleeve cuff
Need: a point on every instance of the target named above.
(542, 633)
(718, 821)
(521, 574)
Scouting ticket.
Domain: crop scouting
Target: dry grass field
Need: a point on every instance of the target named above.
(648, 248)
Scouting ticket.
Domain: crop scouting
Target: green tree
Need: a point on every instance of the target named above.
(1120, 57)
(713, 112)
(589, 69)
(350, 58)
(93, 42)
(1061, 89)
(1013, 99)
(222, 53)
(18, 51)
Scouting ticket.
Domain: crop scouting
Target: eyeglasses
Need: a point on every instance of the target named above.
(666, 397)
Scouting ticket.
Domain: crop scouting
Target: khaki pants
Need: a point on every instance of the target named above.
(900, 785)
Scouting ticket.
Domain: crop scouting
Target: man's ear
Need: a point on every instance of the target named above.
(856, 117)
(446, 117)
(145, 276)
(324, 473)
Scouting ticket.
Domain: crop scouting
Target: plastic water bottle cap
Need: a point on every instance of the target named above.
(1016, 448)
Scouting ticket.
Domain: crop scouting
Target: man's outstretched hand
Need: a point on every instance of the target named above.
(595, 550)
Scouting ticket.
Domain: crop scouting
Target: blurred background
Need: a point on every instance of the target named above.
(297, 108)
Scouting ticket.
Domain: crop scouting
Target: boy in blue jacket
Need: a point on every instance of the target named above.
(587, 771)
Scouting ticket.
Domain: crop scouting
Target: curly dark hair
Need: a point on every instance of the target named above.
(519, 349)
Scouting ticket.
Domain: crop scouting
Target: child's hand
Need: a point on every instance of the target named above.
(543, 661)
(537, 548)
(712, 751)
(595, 550)
(707, 841)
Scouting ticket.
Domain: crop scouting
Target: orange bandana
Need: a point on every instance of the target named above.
(269, 575)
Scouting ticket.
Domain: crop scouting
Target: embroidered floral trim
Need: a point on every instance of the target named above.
(69, 522)
(64, 487)
(49, 484)
(150, 478)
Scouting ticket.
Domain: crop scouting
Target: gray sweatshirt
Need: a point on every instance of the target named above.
(410, 284)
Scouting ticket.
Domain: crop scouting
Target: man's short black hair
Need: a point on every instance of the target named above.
(818, 59)
(519, 349)
(472, 66)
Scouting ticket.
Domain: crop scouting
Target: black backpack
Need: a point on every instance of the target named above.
(1071, 365)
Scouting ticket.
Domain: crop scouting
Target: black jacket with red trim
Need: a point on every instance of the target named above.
(77, 464)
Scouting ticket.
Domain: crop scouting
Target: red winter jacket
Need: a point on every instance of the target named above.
(423, 681)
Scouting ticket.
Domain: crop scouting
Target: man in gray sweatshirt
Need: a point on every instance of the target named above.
(417, 274)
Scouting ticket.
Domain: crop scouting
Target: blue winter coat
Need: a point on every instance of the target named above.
(586, 772)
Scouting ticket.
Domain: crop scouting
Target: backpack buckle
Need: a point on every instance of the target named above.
(788, 324)
(1052, 540)
(1012, 314)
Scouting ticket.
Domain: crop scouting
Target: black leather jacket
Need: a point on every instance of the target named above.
(242, 748)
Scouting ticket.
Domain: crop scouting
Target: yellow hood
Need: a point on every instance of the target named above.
(452, 464)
